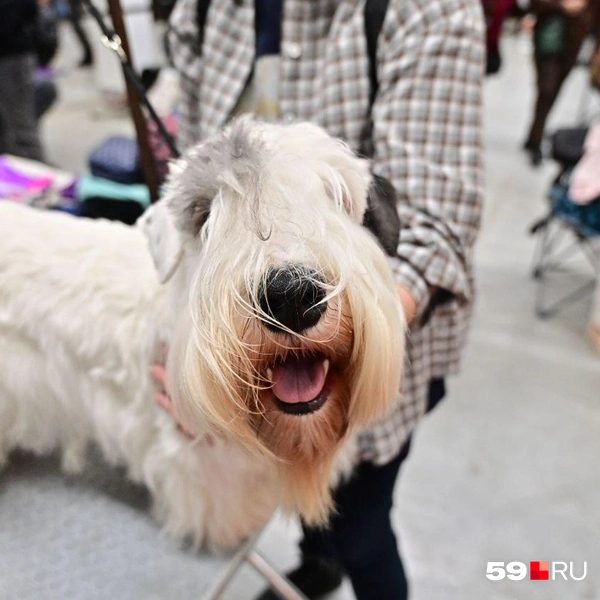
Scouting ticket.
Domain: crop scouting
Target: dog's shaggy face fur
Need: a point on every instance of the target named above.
(290, 330)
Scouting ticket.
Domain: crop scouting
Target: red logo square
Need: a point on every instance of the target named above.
(538, 570)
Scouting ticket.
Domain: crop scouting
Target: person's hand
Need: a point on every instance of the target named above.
(528, 24)
(409, 304)
(159, 374)
(573, 7)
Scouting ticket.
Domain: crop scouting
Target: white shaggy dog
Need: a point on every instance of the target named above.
(284, 327)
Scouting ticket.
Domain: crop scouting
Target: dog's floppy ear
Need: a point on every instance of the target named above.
(194, 181)
(381, 216)
(164, 239)
(356, 177)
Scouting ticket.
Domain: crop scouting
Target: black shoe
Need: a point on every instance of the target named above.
(535, 157)
(315, 577)
(86, 61)
(535, 153)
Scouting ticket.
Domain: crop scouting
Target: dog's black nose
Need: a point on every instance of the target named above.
(293, 297)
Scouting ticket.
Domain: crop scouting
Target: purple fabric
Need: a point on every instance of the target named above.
(15, 185)
(70, 191)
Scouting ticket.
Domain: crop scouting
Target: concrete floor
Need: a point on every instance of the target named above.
(504, 470)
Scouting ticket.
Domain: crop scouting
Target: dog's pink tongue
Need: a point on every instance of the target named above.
(299, 380)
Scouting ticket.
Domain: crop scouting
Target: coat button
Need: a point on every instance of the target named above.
(292, 50)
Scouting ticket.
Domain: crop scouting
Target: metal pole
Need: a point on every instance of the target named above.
(231, 569)
(279, 583)
(246, 553)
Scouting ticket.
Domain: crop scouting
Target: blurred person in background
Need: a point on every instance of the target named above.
(75, 17)
(561, 27)
(410, 99)
(18, 125)
(46, 42)
(495, 12)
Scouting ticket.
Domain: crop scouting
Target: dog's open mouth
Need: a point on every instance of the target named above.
(300, 384)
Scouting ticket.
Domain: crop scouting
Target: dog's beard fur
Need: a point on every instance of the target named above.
(297, 207)
(305, 445)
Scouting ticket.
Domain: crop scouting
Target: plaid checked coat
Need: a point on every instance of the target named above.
(424, 128)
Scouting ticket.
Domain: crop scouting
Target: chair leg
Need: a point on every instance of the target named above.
(236, 561)
(551, 310)
(543, 252)
(540, 249)
(246, 553)
(546, 260)
(279, 583)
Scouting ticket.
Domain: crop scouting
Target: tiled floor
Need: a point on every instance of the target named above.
(505, 470)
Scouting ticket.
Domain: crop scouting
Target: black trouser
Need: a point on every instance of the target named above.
(551, 72)
(76, 14)
(360, 536)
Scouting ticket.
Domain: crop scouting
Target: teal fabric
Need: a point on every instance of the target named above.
(585, 218)
(90, 187)
(550, 36)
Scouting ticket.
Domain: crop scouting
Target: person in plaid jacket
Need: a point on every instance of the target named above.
(421, 127)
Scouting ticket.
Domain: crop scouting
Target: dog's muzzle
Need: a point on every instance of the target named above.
(294, 299)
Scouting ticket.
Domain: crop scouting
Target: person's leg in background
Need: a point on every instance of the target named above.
(45, 94)
(548, 81)
(18, 124)
(76, 14)
(551, 72)
(359, 540)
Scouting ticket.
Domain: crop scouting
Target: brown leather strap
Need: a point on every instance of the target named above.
(139, 119)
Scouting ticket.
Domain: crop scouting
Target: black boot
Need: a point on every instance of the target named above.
(315, 577)
(535, 153)
(87, 60)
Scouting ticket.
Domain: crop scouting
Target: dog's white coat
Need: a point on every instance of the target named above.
(82, 316)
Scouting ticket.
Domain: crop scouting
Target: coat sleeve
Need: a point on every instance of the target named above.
(427, 120)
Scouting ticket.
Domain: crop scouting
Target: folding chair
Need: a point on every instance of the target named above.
(247, 554)
(588, 99)
(566, 231)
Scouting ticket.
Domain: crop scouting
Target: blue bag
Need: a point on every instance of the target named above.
(117, 159)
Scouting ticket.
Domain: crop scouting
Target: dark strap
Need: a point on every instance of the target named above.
(202, 12)
(374, 16)
(132, 79)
